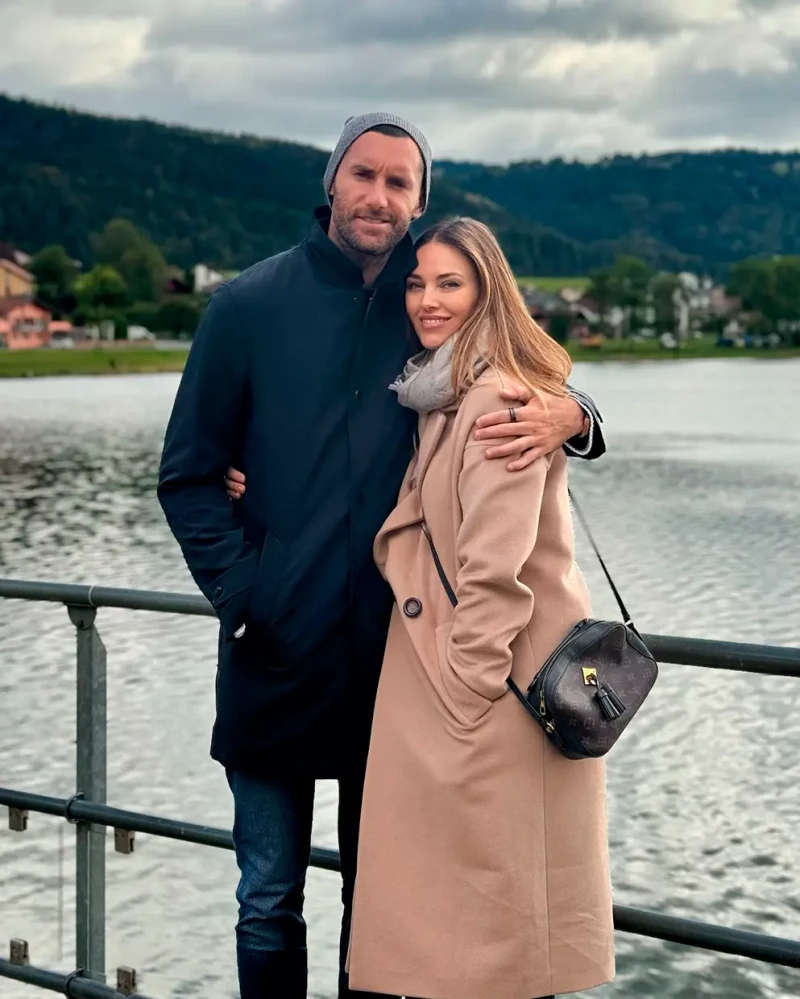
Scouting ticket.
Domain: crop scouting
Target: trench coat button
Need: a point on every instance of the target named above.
(217, 591)
(412, 607)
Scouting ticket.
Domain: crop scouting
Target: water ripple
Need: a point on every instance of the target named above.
(696, 507)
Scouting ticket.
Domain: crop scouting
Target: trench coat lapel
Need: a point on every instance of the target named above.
(409, 508)
(430, 435)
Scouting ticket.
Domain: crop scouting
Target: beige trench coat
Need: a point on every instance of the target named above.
(483, 862)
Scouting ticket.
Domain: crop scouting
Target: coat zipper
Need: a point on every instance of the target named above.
(368, 309)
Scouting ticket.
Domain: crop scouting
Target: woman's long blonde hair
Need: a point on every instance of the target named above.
(500, 330)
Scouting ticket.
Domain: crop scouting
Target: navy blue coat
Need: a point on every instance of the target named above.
(288, 380)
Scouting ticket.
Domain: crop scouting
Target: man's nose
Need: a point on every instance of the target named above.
(376, 196)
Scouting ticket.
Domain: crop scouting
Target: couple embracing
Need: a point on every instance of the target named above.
(474, 856)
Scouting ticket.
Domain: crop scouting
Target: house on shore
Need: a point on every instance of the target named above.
(15, 281)
(23, 324)
(206, 279)
(18, 257)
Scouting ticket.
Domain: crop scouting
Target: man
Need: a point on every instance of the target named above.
(287, 379)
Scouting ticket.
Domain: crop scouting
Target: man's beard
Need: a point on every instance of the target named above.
(349, 234)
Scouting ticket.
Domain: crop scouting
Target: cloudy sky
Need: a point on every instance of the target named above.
(487, 79)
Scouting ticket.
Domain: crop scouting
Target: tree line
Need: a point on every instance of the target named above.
(763, 293)
(126, 285)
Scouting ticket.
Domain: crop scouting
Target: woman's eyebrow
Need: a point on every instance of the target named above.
(439, 277)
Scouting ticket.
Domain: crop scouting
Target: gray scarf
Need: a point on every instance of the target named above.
(426, 382)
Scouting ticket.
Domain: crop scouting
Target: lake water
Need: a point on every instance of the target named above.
(698, 508)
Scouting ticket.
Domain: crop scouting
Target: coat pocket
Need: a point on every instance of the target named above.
(264, 596)
(465, 704)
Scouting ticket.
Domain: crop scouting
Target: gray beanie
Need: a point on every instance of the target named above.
(354, 127)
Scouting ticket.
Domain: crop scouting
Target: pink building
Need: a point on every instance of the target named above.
(23, 324)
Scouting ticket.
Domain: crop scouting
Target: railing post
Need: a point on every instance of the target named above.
(90, 843)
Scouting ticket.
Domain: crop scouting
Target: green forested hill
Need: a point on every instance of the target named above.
(200, 196)
(222, 199)
(230, 200)
(705, 209)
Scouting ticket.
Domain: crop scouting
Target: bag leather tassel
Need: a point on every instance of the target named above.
(610, 704)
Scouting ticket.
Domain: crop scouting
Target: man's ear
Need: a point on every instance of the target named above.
(417, 212)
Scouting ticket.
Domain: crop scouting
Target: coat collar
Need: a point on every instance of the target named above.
(430, 435)
(335, 268)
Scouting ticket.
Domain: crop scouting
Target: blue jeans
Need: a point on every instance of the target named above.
(272, 840)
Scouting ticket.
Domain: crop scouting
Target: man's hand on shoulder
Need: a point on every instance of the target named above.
(543, 424)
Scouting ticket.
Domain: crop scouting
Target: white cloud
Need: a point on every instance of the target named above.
(82, 51)
(487, 79)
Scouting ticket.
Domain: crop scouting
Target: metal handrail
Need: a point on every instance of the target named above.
(66, 985)
(153, 825)
(627, 919)
(85, 595)
(767, 660)
(91, 815)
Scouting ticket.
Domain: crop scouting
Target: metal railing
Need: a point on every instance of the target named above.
(88, 811)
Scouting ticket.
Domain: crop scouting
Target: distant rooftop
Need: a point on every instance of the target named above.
(18, 257)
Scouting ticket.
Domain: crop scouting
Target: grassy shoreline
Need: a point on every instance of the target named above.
(146, 360)
(97, 361)
(649, 350)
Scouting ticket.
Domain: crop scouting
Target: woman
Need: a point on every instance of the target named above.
(483, 862)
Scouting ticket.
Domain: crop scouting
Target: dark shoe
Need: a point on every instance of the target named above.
(267, 974)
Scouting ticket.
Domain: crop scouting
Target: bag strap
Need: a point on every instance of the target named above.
(626, 618)
(448, 589)
(584, 524)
